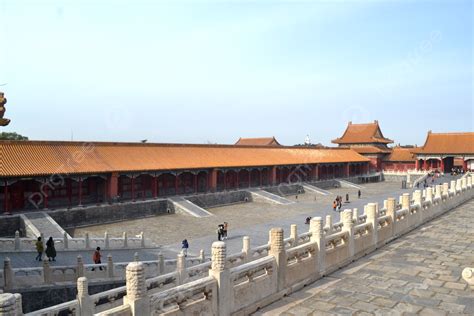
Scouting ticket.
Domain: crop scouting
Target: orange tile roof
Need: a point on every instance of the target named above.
(262, 141)
(401, 154)
(448, 143)
(362, 134)
(39, 158)
(370, 150)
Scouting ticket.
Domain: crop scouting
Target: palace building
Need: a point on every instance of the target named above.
(52, 174)
(441, 150)
(262, 141)
(368, 140)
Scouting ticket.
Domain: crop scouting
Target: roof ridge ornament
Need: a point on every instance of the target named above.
(3, 101)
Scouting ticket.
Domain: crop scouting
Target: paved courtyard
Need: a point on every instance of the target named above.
(418, 274)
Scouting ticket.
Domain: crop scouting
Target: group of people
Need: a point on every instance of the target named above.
(337, 203)
(50, 249)
(222, 231)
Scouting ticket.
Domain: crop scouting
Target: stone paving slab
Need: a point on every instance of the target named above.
(391, 282)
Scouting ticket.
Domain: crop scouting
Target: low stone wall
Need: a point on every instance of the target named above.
(220, 199)
(286, 189)
(9, 224)
(35, 299)
(95, 215)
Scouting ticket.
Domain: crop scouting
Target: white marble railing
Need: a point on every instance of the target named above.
(280, 270)
(67, 243)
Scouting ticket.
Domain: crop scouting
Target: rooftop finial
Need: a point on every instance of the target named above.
(3, 101)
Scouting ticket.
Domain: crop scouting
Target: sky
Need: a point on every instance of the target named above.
(214, 71)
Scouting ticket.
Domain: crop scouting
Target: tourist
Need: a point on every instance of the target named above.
(308, 220)
(359, 194)
(219, 232)
(50, 249)
(226, 227)
(340, 206)
(39, 248)
(334, 205)
(96, 258)
(185, 246)
(347, 197)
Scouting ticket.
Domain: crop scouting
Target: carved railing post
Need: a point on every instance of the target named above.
(348, 226)
(84, 302)
(106, 240)
(391, 212)
(137, 297)
(464, 184)
(181, 268)
(438, 191)
(458, 186)
(7, 274)
(246, 248)
(8, 305)
(221, 274)
(110, 266)
(46, 272)
(317, 236)
(469, 182)
(19, 305)
(294, 234)
(355, 215)
(445, 189)
(202, 256)
(125, 240)
(142, 239)
(87, 241)
(277, 250)
(65, 241)
(161, 263)
(373, 220)
(17, 240)
(429, 195)
(329, 223)
(80, 267)
(406, 201)
(417, 197)
(452, 187)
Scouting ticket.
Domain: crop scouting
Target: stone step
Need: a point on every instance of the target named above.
(345, 183)
(313, 188)
(185, 206)
(44, 224)
(265, 195)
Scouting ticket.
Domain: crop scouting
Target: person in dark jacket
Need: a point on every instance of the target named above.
(50, 249)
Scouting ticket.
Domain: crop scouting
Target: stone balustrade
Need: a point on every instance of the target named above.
(66, 243)
(244, 282)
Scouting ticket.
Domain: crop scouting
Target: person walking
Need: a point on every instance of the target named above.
(39, 248)
(96, 257)
(185, 246)
(50, 249)
(334, 206)
(359, 194)
(219, 233)
(226, 227)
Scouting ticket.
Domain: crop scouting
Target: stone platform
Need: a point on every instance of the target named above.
(418, 274)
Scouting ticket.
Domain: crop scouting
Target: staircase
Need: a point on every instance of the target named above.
(184, 206)
(38, 223)
(269, 197)
(312, 188)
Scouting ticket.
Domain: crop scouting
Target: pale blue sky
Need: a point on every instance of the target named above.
(198, 71)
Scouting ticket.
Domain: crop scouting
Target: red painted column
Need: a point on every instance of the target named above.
(261, 177)
(80, 192)
(112, 185)
(250, 178)
(69, 191)
(347, 171)
(155, 187)
(225, 179)
(417, 164)
(464, 165)
(5, 207)
(176, 179)
(273, 175)
(46, 195)
(238, 182)
(442, 165)
(195, 183)
(213, 180)
(133, 188)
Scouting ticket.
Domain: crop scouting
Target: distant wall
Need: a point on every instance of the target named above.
(103, 214)
(220, 199)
